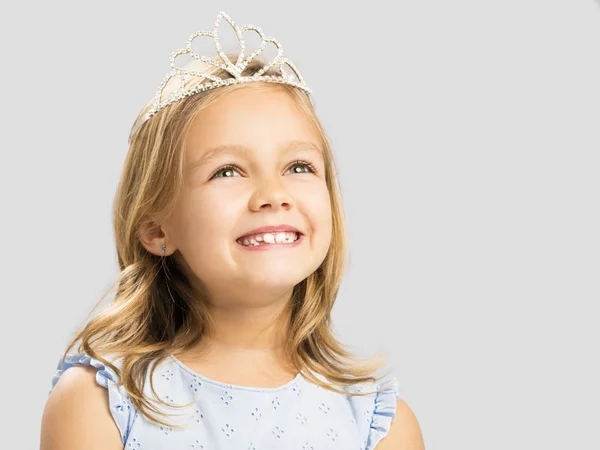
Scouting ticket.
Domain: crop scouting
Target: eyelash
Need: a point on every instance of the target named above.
(312, 168)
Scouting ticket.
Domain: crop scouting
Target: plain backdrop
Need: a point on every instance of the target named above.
(466, 134)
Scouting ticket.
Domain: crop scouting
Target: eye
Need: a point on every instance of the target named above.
(304, 164)
(225, 169)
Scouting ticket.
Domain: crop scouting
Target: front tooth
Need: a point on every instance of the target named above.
(269, 238)
(281, 237)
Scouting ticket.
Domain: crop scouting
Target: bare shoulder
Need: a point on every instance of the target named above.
(77, 414)
(405, 432)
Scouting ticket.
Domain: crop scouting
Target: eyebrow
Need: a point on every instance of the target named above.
(232, 149)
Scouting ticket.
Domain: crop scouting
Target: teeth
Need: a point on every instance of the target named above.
(270, 238)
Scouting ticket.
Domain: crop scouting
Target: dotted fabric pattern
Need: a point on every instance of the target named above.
(298, 415)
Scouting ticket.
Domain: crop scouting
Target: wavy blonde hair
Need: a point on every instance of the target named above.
(155, 313)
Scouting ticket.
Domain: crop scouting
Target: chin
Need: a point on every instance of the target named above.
(275, 281)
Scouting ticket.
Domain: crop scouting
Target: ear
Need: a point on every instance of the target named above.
(152, 237)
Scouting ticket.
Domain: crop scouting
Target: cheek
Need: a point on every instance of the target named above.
(215, 213)
(317, 205)
(321, 225)
(207, 225)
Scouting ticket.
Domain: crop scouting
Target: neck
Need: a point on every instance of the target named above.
(243, 333)
(263, 328)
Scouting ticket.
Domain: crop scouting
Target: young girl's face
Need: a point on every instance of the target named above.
(264, 177)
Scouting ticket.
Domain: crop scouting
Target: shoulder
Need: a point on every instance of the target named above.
(405, 432)
(84, 405)
(77, 412)
(385, 420)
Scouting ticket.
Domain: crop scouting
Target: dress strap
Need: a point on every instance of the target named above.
(384, 411)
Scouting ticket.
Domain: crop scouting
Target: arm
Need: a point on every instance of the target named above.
(405, 432)
(77, 415)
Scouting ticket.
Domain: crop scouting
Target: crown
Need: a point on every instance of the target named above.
(182, 75)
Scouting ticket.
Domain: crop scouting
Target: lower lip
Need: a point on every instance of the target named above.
(265, 247)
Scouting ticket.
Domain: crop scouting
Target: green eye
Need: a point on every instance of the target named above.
(306, 164)
(225, 169)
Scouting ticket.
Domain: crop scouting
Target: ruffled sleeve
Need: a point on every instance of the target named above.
(384, 411)
(121, 408)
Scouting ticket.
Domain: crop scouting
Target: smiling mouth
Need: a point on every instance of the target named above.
(267, 239)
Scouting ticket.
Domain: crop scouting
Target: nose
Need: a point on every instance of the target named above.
(272, 194)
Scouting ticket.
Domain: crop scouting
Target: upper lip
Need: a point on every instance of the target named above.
(270, 229)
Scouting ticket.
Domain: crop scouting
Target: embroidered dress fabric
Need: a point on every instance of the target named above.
(298, 415)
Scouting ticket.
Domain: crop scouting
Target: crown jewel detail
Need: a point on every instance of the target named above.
(183, 74)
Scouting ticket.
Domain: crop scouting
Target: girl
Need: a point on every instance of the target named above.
(231, 243)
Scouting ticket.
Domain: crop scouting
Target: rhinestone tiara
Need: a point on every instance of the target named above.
(184, 74)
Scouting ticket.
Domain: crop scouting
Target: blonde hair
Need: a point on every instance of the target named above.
(155, 312)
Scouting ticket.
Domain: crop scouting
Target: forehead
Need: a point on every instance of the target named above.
(257, 118)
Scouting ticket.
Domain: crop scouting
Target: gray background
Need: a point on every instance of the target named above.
(467, 139)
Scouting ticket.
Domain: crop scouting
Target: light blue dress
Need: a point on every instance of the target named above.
(298, 415)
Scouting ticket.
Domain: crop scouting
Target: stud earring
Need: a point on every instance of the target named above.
(163, 247)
